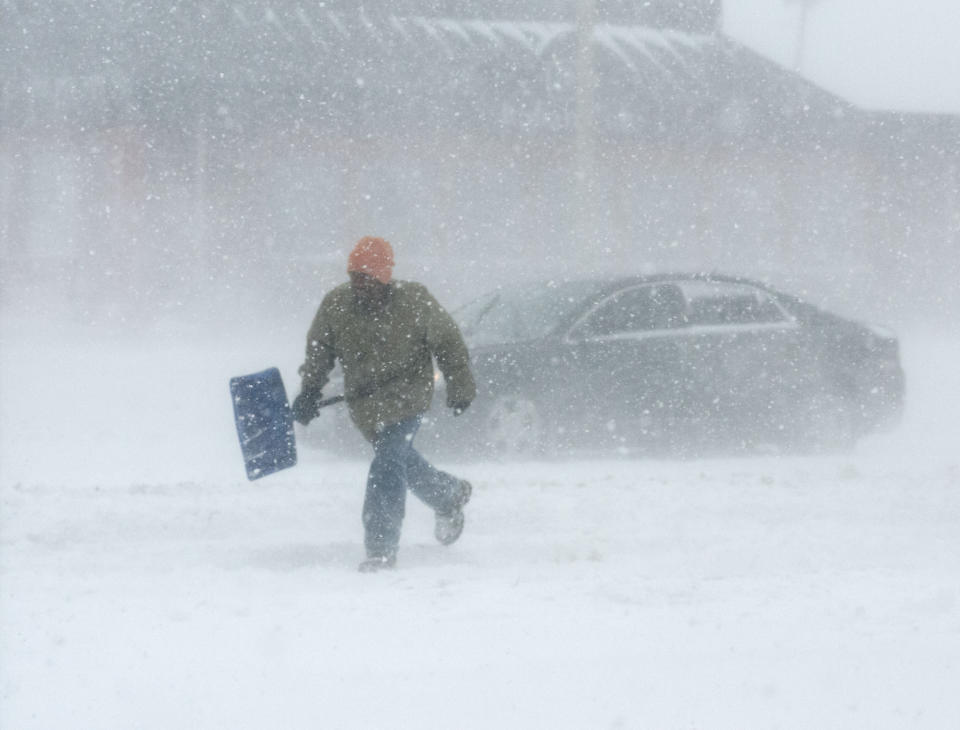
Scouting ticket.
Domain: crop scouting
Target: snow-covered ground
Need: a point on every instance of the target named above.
(144, 583)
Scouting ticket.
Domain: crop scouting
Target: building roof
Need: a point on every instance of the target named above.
(260, 61)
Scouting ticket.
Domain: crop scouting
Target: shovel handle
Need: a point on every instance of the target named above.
(329, 401)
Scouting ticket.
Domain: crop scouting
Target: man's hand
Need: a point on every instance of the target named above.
(459, 407)
(304, 406)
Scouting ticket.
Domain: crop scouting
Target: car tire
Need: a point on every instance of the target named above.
(514, 426)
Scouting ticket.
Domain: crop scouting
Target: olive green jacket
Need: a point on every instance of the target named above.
(386, 354)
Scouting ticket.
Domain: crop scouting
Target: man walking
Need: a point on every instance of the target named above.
(385, 334)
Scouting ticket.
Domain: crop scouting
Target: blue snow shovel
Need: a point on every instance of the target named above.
(265, 422)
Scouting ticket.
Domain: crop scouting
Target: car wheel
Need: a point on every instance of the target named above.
(514, 426)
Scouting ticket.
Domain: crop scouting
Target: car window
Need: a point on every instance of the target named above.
(719, 303)
(637, 309)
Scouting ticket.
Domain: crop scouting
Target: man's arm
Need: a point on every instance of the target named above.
(447, 346)
(320, 359)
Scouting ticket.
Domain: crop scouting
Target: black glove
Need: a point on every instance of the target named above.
(460, 406)
(304, 406)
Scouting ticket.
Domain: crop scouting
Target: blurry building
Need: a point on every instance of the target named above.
(241, 146)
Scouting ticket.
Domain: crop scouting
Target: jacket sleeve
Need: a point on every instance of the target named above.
(447, 346)
(321, 350)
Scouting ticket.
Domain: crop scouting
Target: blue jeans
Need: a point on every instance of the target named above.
(396, 467)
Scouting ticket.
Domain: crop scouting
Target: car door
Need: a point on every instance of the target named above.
(629, 362)
(744, 357)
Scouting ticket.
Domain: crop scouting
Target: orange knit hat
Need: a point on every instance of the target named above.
(372, 256)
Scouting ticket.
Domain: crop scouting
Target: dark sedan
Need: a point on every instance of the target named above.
(681, 364)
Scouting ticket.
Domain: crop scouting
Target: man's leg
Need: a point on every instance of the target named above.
(397, 466)
(383, 505)
(439, 490)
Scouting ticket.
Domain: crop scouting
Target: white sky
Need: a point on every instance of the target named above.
(899, 55)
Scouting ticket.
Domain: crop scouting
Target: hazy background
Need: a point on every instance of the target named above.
(879, 54)
(212, 164)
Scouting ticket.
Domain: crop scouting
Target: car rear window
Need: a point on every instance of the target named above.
(717, 303)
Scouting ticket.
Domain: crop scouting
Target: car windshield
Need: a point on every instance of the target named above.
(522, 313)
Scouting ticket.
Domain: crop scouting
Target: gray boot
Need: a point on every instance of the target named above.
(375, 563)
(449, 524)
